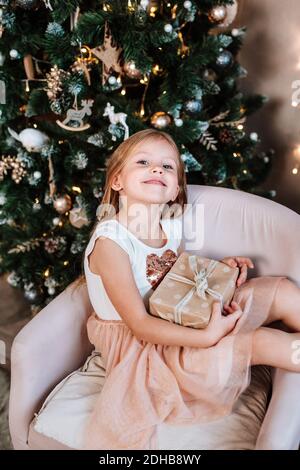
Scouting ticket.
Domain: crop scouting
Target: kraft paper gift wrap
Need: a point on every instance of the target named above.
(187, 292)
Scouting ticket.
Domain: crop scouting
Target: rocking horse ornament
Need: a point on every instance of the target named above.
(116, 118)
(77, 115)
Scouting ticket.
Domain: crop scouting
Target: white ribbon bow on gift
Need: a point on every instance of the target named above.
(200, 285)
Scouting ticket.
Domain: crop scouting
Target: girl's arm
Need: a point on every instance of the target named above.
(158, 331)
(112, 263)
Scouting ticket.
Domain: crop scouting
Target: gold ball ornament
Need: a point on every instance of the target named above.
(217, 14)
(160, 120)
(223, 15)
(78, 217)
(131, 70)
(62, 204)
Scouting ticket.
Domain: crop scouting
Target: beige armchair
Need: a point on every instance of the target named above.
(54, 345)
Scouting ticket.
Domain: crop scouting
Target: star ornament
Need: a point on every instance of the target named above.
(109, 55)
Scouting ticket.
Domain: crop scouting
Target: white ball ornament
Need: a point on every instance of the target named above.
(56, 220)
(112, 80)
(178, 122)
(37, 175)
(168, 28)
(235, 32)
(187, 4)
(14, 54)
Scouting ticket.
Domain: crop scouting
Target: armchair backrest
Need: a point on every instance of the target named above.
(236, 223)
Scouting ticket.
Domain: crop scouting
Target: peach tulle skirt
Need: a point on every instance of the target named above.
(147, 384)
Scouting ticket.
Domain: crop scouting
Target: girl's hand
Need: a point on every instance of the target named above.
(242, 263)
(221, 325)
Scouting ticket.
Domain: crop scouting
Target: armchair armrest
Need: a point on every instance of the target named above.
(280, 429)
(49, 347)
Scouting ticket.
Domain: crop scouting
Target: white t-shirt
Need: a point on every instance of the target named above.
(148, 264)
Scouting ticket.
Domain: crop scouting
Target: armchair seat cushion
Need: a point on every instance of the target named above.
(61, 421)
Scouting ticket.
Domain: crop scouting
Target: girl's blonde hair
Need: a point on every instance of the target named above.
(110, 201)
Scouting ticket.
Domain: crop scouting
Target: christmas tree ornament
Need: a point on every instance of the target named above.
(62, 204)
(55, 245)
(112, 80)
(84, 62)
(131, 70)
(109, 55)
(54, 81)
(78, 217)
(50, 283)
(178, 122)
(56, 221)
(14, 54)
(193, 106)
(208, 141)
(74, 17)
(116, 118)
(32, 295)
(158, 70)
(32, 139)
(231, 12)
(76, 115)
(187, 4)
(12, 163)
(190, 162)
(79, 160)
(160, 120)
(112, 83)
(27, 4)
(168, 28)
(217, 14)
(224, 59)
(96, 139)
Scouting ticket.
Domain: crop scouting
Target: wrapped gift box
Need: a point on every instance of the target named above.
(187, 292)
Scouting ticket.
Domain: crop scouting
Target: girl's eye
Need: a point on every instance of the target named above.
(164, 165)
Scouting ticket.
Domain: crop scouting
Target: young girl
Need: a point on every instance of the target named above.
(157, 371)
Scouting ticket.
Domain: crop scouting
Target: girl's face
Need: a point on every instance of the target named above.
(153, 159)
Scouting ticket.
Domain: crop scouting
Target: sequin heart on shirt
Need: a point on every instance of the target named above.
(158, 266)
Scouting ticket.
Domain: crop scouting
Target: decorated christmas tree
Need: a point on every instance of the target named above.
(79, 77)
